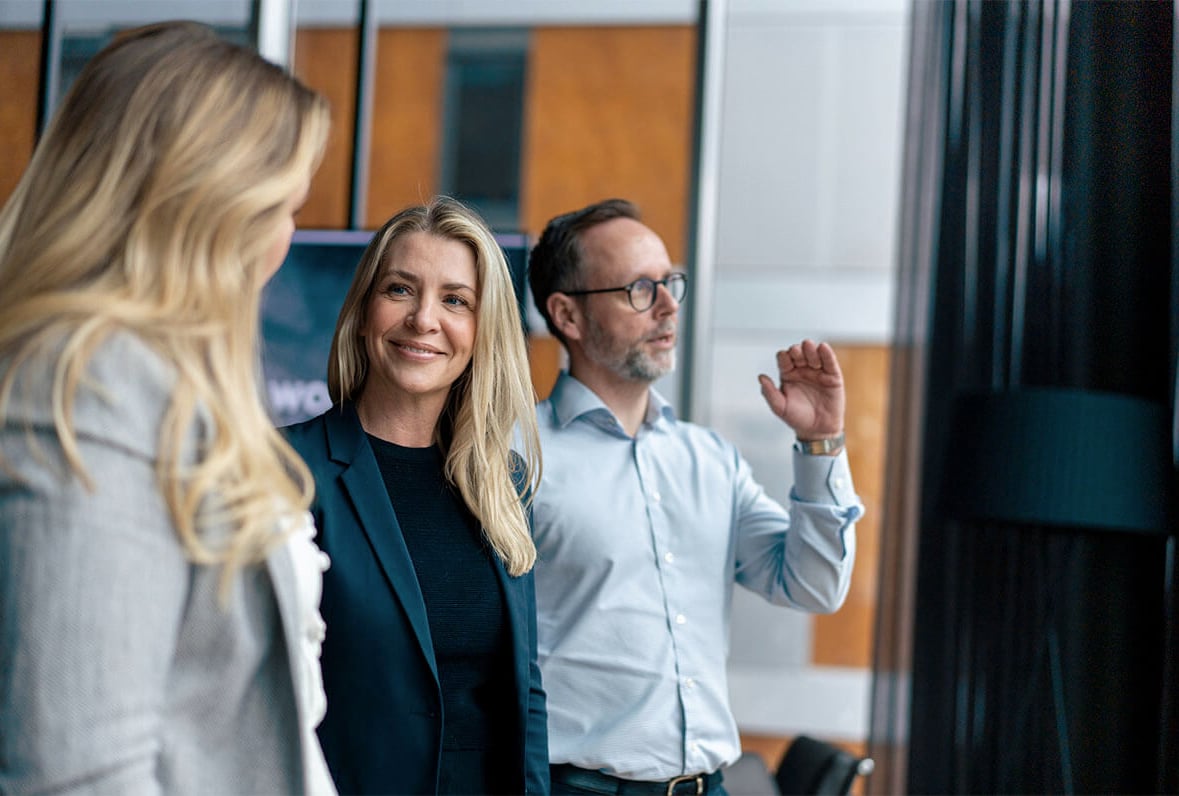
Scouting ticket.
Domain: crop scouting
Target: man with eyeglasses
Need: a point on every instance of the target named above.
(644, 522)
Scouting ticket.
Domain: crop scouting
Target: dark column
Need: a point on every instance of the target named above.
(1039, 296)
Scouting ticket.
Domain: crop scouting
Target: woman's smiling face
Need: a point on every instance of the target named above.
(420, 323)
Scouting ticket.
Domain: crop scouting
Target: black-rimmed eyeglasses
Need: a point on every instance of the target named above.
(641, 292)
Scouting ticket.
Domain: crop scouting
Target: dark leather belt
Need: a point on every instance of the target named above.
(687, 785)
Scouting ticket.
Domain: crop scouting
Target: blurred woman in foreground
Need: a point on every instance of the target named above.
(158, 583)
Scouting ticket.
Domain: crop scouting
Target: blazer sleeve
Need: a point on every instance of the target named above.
(536, 774)
(92, 592)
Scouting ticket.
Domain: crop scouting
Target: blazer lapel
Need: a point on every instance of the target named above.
(362, 482)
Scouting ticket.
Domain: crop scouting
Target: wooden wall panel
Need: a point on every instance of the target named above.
(325, 59)
(407, 120)
(845, 638)
(610, 113)
(546, 355)
(20, 68)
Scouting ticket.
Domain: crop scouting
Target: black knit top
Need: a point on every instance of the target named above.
(456, 573)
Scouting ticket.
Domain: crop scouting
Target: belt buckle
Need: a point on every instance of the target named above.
(698, 778)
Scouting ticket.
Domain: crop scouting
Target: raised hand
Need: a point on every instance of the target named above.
(809, 395)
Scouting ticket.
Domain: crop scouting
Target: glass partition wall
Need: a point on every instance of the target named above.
(527, 109)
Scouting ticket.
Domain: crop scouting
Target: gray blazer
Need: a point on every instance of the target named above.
(120, 672)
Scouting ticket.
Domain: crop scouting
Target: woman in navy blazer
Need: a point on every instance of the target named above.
(429, 663)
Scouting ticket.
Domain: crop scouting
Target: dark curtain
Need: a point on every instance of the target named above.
(1025, 641)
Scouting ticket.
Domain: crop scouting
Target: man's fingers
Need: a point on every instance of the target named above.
(828, 358)
(785, 363)
(808, 355)
(810, 350)
(771, 393)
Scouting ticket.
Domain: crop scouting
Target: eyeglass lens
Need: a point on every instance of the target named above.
(642, 291)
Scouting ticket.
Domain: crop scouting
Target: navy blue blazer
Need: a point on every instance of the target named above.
(383, 729)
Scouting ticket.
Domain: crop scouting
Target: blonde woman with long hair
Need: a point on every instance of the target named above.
(430, 666)
(159, 624)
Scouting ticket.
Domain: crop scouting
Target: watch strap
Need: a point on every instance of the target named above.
(821, 447)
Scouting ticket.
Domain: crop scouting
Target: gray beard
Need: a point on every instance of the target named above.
(637, 366)
(630, 363)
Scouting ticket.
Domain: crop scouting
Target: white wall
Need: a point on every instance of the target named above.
(807, 179)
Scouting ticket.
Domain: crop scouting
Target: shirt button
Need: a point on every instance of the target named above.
(656, 497)
(680, 619)
(689, 682)
(669, 557)
(838, 482)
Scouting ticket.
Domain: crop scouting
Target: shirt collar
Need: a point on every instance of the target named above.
(571, 400)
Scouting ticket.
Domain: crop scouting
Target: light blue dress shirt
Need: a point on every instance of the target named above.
(639, 543)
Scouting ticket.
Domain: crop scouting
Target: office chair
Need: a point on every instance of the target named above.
(814, 767)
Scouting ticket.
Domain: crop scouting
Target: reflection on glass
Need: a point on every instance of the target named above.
(483, 119)
(78, 29)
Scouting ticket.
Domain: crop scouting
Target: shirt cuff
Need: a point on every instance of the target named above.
(824, 479)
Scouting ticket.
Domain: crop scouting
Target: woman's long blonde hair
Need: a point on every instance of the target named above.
(488, 404)
(149, 207)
